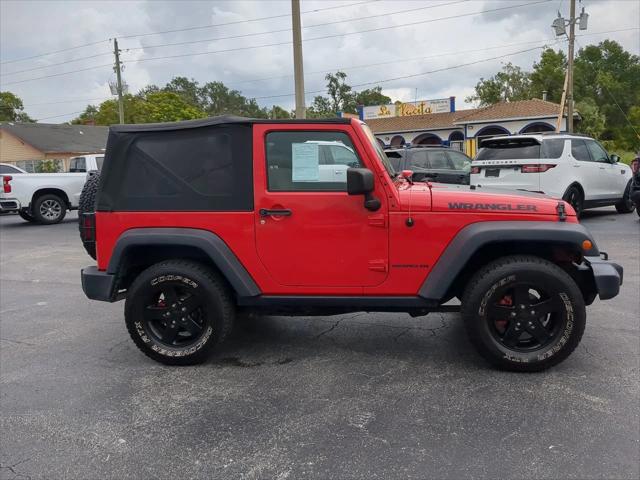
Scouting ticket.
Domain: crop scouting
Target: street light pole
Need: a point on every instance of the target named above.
(572, 38)
(297, 58)
(116, 52)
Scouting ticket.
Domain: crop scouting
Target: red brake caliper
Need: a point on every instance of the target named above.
(501, 324)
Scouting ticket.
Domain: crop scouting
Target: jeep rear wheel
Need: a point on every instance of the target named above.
(523, 313)
(177, 311)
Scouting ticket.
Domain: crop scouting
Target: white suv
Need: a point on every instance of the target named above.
(573, 167)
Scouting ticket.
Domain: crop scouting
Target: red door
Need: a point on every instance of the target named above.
(309, 231)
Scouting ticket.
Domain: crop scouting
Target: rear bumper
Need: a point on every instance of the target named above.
(98, 285)
(9, 205)
(606, 275)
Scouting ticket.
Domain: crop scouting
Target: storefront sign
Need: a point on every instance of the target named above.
(398, 109)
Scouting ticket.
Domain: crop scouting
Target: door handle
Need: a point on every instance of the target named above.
(601, 168)
(576, 165)
(281, 212)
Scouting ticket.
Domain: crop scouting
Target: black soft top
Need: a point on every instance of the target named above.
(215, 121)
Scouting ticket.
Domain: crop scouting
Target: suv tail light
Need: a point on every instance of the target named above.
(475, 170)
(537, 168)
(6, 183)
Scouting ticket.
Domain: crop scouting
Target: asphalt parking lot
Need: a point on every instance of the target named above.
(353, 396)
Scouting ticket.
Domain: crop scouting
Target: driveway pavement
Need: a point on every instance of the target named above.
(353, 396)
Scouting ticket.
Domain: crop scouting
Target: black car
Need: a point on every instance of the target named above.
(434, 164)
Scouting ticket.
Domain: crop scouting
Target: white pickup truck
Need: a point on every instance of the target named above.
(45, 197)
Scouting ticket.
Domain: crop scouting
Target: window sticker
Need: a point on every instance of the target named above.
(305, 162)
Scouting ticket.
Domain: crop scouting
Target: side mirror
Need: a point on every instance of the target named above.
(614, 158)
(360, 181)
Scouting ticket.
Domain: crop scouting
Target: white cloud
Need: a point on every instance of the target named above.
(30, 28)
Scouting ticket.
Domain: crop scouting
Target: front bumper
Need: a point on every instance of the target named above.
(9, 205)
(606, 275)
(98, 285)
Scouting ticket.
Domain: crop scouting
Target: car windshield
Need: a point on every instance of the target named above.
(376, 145)
(509, 149)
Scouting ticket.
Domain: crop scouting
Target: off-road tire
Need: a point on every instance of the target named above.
(55, 202)
(217, 310)
(87, 204)
(26, 216)
(626, 205)
(518, 270)
(574, 197)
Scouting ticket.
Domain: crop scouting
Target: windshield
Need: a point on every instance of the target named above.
(376, 145)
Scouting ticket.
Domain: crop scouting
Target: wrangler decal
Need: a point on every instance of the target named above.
(521, 207)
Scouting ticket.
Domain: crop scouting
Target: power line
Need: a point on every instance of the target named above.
(59, 74)
(350, 20)
(61, 115)
(56, 64)
(413, 75)
(53, 52)
(396, 61)
(201, 27)
(69, 100)
(341, 34)
(181, 30)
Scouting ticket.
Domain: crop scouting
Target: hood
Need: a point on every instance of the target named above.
(439, 197)
(485, 200)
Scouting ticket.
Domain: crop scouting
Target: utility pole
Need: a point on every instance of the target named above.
(116, 52)
(572, 38)
(297, 59)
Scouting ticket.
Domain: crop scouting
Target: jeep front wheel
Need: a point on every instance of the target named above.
(177, 312)
(523, 313)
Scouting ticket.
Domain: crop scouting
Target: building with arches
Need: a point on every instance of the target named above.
(464, 129)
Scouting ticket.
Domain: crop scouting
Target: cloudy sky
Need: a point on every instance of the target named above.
(408, 47)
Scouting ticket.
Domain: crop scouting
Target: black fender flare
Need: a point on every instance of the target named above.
(207, 242)
(477, 235)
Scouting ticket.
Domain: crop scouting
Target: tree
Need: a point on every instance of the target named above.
(320, 108)
(340, 94)
(548, 75)
(11, 109)
(278, 112)
(510, 84)
(188, 90)
(371, 97)
(592, 122)
(610, 76)
(165, 107)
(218, 99)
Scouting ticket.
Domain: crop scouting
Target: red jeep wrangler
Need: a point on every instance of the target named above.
(195, 220)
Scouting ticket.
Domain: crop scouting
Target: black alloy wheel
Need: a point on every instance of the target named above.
(175, 317)
(524, 317)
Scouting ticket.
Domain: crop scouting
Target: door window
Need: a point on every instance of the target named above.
(598, 154)
(460, 161)
(78, 164)
(309, 161)
(579, 150)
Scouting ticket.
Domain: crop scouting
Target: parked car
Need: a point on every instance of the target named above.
(45, 197)
(8, 169)
(575, 168)
(232, 214)
(435, 164)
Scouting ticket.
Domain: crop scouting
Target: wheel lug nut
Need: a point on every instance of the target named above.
(184, 309)
(513, 314)
(533, 312)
